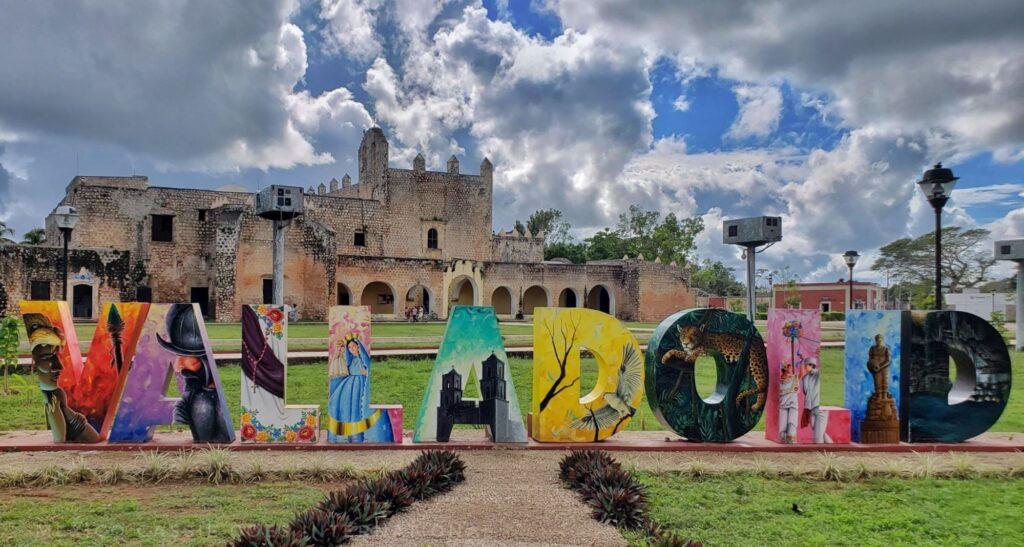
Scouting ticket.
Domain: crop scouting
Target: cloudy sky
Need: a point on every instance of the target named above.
(824, 112)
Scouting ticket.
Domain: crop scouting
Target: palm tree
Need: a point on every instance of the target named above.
(35, 236)
(4, 231)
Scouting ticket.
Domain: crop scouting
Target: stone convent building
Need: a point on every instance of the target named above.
(397, 239)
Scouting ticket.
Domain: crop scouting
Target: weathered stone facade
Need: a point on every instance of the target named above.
(399, 238)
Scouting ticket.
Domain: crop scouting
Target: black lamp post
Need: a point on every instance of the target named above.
(851, 260)
(66, 218)
(937, 185)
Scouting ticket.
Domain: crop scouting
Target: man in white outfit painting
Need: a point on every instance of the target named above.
(813, 415)
(788, 404)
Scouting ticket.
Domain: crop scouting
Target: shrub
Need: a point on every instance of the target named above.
(359, 505)
(390, 489)
(613, 494)
(267, 536)
(319, 527)
(621, 506)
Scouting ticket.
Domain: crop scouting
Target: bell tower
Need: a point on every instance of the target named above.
(373, 157)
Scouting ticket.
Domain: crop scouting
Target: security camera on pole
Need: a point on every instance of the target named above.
(279, 204)
(751, 233)
(1014, 250)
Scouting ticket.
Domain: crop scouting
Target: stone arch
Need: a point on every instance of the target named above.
(501, 300)
(420, 295)
(463, 292)
(344, 296)
(601, 299)
(380, 297)
(454, 275)
(568, 298)
(535, 297)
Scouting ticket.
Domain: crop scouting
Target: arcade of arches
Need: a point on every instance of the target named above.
(380, 297)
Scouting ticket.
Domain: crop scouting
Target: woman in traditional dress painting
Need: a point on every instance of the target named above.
(350, 418)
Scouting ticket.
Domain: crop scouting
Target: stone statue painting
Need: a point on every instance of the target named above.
(872, 372)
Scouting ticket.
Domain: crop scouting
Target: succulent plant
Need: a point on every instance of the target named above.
(322, 528)
(267, 536)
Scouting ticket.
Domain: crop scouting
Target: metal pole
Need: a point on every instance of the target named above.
(938, 258)
(751, 307)
(1020, 307)
(279, 262)
(64, 266)
(849, 291)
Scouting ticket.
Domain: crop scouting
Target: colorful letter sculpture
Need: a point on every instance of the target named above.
(872, 375)
(741, 364)
(80, 395)
(936, 409)
(472, 344)
(559, 414)
(350, 416)
(794, 413)
(173, 343)
(266, 416)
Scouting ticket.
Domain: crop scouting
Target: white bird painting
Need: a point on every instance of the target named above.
(618, 405)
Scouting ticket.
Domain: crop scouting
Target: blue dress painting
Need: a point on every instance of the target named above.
(350, 418)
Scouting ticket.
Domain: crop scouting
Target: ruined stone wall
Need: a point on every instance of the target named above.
(516, 247)
(656, 290)
(111, 275)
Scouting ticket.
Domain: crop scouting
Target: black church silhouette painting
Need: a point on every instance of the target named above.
(491, 410)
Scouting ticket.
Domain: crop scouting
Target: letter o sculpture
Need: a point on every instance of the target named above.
(742, 367)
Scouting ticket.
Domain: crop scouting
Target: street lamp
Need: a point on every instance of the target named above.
(66, 218)
(851, 260)
(937, 185)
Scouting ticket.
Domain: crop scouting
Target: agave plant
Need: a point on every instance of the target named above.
(268, 536)
(322, 528)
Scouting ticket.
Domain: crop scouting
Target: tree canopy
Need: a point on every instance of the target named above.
(35, 236)
(639, 232)
(966, 261)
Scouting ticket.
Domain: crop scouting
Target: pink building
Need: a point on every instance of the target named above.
(829, 297)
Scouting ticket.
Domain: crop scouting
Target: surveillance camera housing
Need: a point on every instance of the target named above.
(752, 231)
(1011, 249)
(278, 202)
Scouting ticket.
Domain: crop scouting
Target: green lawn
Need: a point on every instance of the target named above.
(751, 510)
(398, 381)
(153, 514)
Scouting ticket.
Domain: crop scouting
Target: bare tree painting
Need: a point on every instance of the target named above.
(566, 336)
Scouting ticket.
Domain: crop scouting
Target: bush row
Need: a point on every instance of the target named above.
(614, 495)
(359, 507)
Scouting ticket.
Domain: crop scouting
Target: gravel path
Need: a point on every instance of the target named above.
(509, 497)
